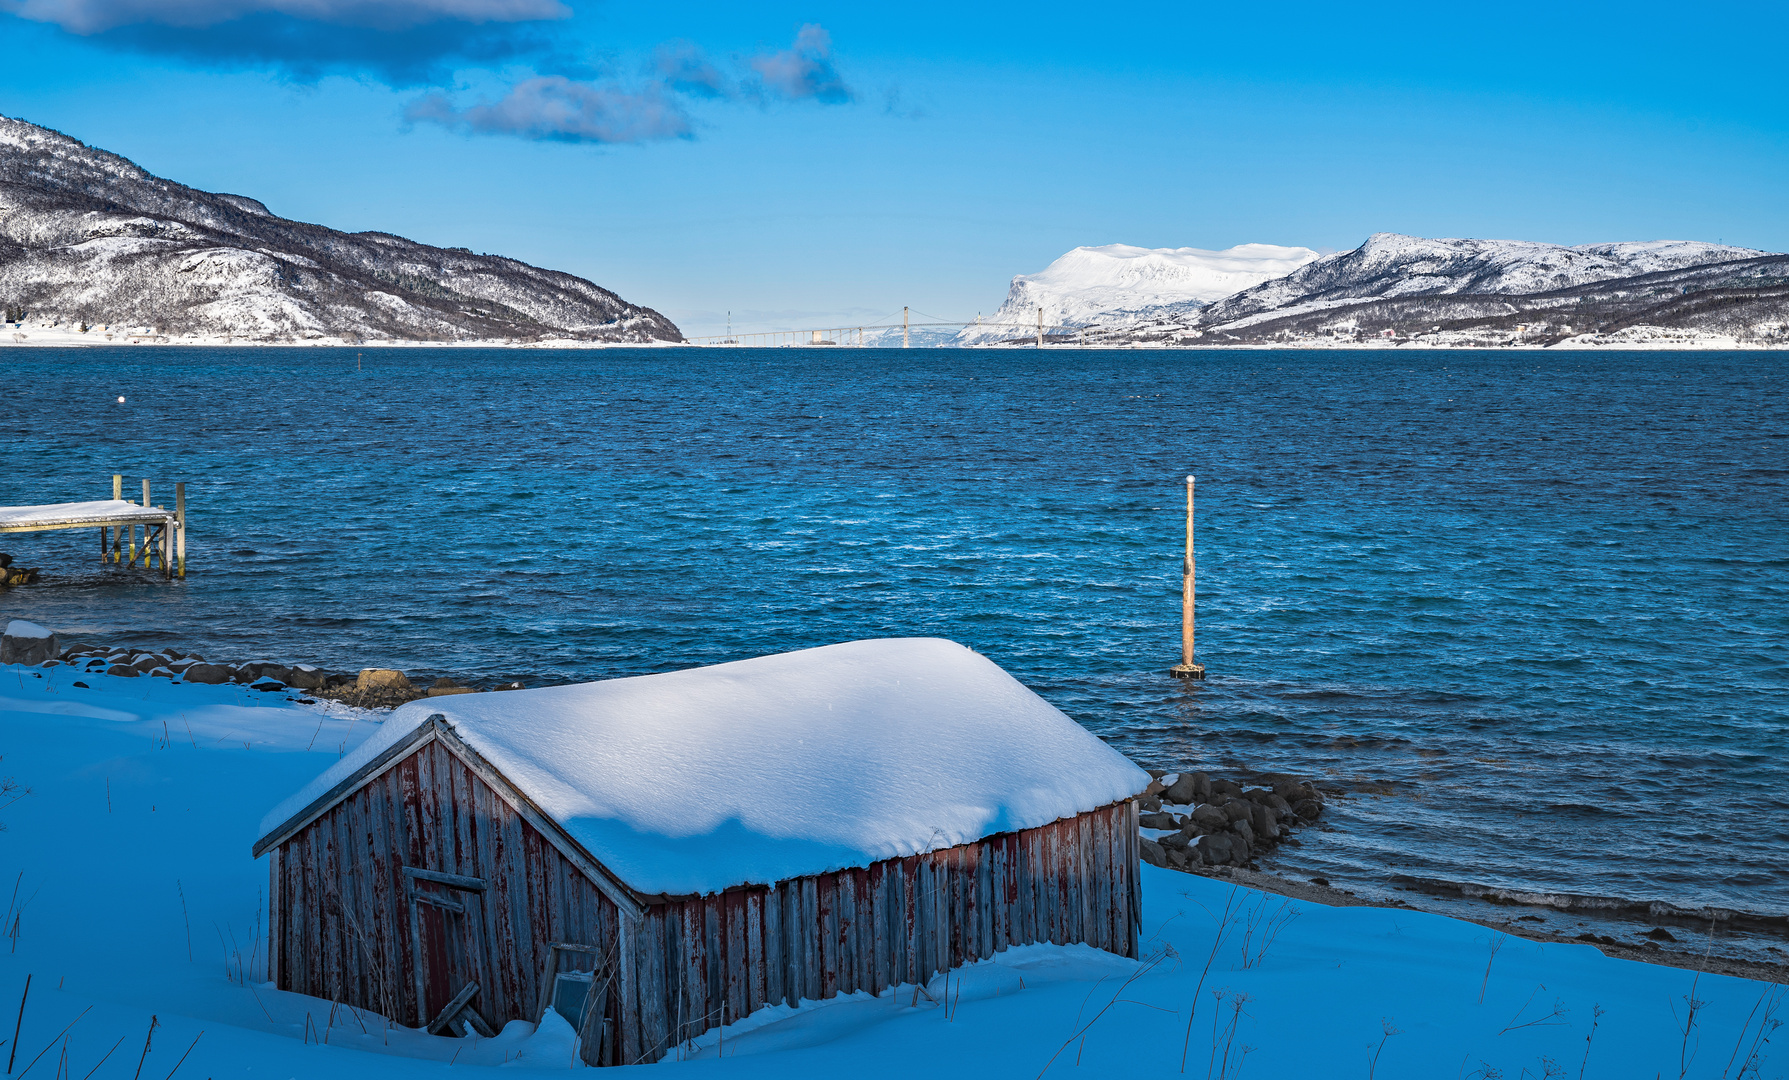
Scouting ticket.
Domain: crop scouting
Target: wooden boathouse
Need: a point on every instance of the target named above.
(653, 857)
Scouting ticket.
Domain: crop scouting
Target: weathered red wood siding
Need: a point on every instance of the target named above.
(340, 926)
(697, 963)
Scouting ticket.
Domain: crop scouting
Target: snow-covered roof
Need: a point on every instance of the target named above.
(78, 513)
(777, 767)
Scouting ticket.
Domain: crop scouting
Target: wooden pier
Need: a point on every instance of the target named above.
(162, 543)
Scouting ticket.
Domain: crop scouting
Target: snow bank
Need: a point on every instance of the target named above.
(782, 766)
(133, 894)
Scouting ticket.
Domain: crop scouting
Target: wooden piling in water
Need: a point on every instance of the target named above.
(1187, 668)
(180, 523)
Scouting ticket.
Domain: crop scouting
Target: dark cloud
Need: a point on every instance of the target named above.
(565, 110)
(95, 16)
(307, 51)
(803, 71)
(403, 42)
(578, 110)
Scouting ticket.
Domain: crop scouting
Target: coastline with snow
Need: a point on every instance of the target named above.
(161, 785)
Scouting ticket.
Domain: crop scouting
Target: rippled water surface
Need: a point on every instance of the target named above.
(1528, 609)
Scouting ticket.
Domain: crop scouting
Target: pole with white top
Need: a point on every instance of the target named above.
(1187, 669)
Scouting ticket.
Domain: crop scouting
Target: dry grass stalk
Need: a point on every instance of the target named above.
(1596, 1016)
(1373, 1062)
(1224, 920)
(147, 1039)
(1497, 941)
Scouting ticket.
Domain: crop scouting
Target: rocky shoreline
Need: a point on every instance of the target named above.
(1189, 821)
(369, 688)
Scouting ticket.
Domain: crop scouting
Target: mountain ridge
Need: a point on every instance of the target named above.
(1471, 292)
(89, 238)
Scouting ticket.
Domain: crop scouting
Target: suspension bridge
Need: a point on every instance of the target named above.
(1040, 333)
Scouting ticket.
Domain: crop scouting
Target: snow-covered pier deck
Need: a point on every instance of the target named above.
(163, 537)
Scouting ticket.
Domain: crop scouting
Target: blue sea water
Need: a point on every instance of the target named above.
(1528, 611)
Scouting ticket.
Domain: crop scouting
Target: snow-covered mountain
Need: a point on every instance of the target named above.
(1115, 283)
(88, 239)
(1404, 289)
(1389, 265)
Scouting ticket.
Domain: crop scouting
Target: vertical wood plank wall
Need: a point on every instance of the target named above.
(698, 963)
(340, 926)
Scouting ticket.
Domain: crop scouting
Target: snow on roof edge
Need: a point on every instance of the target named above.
(777, 767)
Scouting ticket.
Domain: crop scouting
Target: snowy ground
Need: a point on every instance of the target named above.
(136, 897)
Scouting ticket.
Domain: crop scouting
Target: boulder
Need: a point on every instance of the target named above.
(1147, 821)
(1308, 809)
(1225, 787)
(1149, 804)
(381, 679)
(1175, 840)
(162, 672)
(306, 677)
(1291, 791)
(1151, 852)
(1212, 818)
(27, 643)
(1219, 849)
(1188, 789)
(1177, 858)
(444, 691)
(181, 664)
(1244, 830)
(1266, 823)
(1238, 810)
(517, 685)
(256, 669)
(208, 674)
(123, 671)
(267, 684)
(146, 662)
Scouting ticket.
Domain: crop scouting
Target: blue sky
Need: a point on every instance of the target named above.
(815, 163)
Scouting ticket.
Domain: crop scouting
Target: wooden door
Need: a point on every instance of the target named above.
(449, 954)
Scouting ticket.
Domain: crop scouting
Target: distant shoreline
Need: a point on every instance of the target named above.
(76, 340)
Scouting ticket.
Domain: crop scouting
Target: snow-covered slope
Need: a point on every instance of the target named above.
(88, 238)
(1114, 282)
(1390, 265)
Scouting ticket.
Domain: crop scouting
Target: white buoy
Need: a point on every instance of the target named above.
(120, 400)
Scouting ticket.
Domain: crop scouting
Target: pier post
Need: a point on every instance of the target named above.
(148, 553)
(1187, 668)
(903, 328)
(180, 519)
(1040, 327)
(117, 550)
